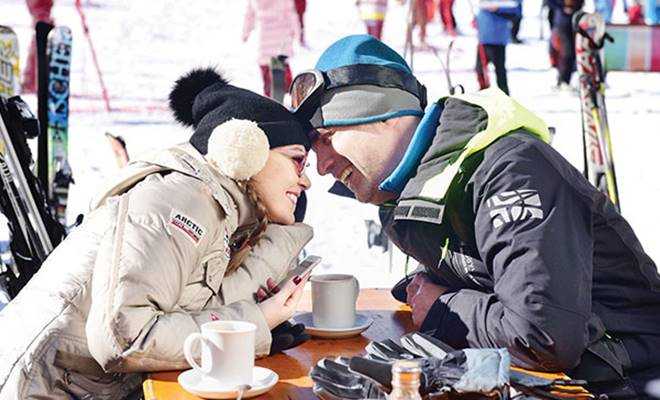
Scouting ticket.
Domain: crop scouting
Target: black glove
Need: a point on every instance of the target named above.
(287, 336)
(333, 380)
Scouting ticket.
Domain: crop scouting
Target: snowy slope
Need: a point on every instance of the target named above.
(143, 46)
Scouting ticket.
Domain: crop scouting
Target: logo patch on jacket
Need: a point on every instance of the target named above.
(185, 224)
(517, 205)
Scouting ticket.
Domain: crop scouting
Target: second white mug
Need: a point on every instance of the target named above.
(333, 300)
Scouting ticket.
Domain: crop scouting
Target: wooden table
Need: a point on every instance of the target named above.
(391, 320)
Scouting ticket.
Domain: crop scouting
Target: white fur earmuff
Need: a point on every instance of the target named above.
(238, 148)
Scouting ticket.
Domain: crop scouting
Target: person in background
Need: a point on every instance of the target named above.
(446, 8)
(515, 24)
(605, 9)
(635, 13)
(39, 11)
(278, 29)
(562, 40)
(494, 30)
(301, 6)
(372, 13)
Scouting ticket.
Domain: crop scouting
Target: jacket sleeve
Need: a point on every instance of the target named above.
(135, 322)
(274, 254)
(533, 232)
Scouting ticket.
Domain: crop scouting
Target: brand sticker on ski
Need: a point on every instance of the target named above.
(185, 224)
(516, 205)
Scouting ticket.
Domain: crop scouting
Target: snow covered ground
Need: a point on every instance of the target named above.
(143, 46)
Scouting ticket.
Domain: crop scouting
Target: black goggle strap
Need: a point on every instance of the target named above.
(376, 75)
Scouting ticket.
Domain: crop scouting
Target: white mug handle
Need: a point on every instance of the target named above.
(187, 351)
(357, 288)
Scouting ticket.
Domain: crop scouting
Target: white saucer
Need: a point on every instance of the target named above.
(362, 322)
(194, 382)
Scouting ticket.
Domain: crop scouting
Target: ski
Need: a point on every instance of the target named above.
(598, 156)
(34, 231)
(41, 35)
(8, 62)
(277, 74)
(59, 69)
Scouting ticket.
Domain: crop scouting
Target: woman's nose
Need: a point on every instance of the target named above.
(304, 181)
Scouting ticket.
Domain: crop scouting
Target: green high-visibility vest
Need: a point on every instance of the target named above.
(504, 116)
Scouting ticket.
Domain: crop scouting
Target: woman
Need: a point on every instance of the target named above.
(278, 29)
(185, 236)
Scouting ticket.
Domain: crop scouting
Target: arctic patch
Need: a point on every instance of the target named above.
(185, 224)
(516, 205)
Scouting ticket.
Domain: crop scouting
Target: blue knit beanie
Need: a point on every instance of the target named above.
(362, 104)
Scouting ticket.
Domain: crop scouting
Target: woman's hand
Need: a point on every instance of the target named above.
(281, 305)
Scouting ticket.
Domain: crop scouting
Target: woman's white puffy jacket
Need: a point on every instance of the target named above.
(144, 270)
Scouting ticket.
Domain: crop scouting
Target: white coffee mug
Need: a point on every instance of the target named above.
(227, 349)
(333, 300)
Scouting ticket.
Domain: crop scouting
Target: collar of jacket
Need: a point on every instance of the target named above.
(419, 144)
(468, 123)
(184, 158)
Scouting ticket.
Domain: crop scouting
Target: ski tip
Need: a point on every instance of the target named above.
(187, 87)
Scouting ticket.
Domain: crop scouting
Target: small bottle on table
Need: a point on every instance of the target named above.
(405, 380)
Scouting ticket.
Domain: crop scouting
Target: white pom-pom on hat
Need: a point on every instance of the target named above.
(238, 148)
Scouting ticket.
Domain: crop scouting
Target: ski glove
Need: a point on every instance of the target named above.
(443, 370)
(287, 336)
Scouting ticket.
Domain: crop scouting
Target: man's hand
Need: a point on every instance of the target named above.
(422, 293)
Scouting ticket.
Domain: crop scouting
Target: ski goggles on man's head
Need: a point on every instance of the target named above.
(308, 87)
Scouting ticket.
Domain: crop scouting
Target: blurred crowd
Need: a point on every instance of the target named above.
(281, 23)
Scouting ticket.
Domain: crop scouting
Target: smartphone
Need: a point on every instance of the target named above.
(305, 267)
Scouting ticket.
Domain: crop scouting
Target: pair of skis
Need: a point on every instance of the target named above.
(54, 66)
(596, 138)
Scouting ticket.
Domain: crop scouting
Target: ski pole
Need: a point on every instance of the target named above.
(83, 21)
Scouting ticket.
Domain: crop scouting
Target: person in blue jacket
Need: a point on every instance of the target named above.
(494, 21)
(516, 248)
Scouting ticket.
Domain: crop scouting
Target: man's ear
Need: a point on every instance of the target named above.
(405, 124)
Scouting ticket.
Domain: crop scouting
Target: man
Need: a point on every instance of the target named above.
(517, 249)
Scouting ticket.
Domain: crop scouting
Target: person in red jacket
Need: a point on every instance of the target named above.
(301, 6)
(446, 8)
(40, 11)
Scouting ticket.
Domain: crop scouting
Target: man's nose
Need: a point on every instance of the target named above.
(323, 157)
